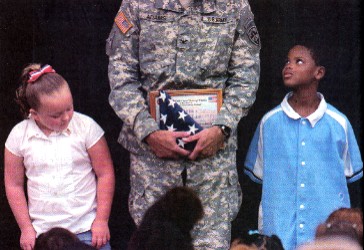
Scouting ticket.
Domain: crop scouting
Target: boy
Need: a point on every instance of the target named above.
(307, 153)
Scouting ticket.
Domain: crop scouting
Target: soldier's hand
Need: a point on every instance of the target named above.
(163, 144)
(209, 141)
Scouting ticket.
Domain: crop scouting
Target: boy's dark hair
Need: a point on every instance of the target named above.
(316, 51)
(168, 222)
(319, 50)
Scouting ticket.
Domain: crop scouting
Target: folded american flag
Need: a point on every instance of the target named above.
(174, 118)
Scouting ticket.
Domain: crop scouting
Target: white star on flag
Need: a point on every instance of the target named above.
(193, 129)
(163, 96)
(164, 118)
(182, 115)
(181, 143)
(171, 103)
(171, 128)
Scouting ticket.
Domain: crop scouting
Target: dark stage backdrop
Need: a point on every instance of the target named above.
(70, 35)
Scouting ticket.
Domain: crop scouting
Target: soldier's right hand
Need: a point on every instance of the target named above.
(163, 144)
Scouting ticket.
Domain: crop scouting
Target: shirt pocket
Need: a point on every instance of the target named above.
(157, 41)
(217, 40)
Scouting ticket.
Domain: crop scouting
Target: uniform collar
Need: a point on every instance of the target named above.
(35, 131)
(208, 6)
(313, 118)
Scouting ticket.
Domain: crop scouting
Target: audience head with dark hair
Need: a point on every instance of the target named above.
(59, 238)
(167, 224)
(238, 245)
(79, 245)
(331, 243)
(345, 222)
(255, 240)
(55, 238)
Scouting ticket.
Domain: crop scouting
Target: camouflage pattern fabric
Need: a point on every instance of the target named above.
(157, 44)
(214, 179)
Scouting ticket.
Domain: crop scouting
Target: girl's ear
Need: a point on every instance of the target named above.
(33, 114)
(320, 73)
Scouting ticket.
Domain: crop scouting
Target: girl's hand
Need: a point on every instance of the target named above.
(100, 233)
(27, 238)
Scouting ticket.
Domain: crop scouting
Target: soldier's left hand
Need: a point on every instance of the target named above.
(209, 141)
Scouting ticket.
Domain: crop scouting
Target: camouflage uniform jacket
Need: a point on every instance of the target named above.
(161, 45)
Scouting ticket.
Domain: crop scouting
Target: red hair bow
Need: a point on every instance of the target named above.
(34, 75)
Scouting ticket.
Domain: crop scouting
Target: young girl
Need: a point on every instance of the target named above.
(66, 161)
(304, 152)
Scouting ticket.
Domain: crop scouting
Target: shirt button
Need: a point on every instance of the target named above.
(302, 226)
(303, 143)
(302, 185)
(303, 122)
(302, 206)
(303, 163)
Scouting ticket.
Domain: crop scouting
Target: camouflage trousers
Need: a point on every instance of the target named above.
(214, 179)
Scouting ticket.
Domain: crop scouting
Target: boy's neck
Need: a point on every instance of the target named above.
(304, 103)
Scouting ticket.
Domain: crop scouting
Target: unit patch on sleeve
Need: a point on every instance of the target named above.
(252, 33)
(122, 22)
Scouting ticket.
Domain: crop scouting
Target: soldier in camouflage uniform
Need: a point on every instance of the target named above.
(167, 44)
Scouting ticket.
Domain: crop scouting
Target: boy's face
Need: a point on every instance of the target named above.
(300, 68)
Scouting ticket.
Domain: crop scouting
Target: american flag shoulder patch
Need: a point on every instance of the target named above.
(122, 22)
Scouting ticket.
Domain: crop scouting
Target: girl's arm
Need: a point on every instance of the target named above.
(14, 186)
(104, 170)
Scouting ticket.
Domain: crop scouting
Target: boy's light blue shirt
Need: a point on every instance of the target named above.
(306, 164)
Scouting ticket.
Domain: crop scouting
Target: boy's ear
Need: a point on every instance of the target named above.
(320, 73)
